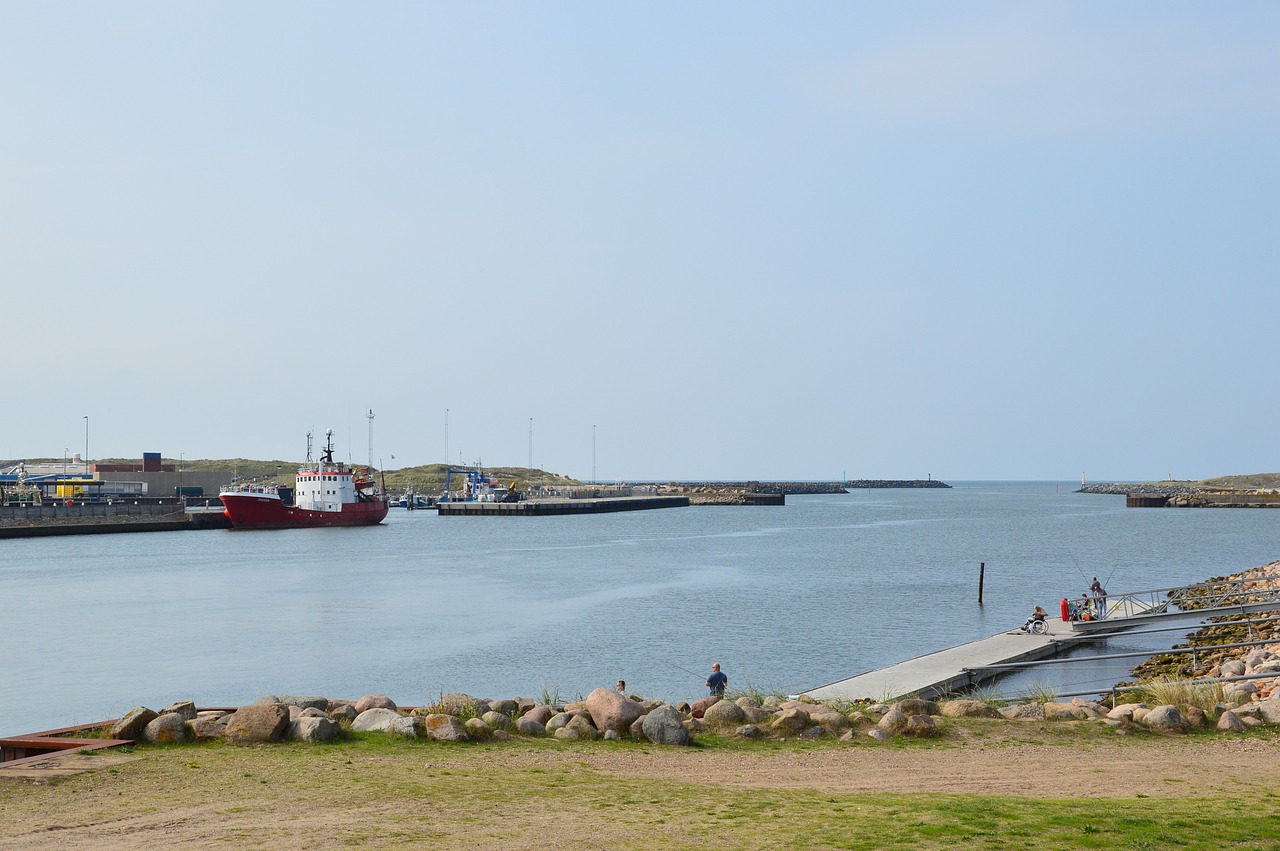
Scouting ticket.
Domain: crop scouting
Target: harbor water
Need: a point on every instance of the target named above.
(785, 598)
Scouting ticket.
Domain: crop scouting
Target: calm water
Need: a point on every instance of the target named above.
(785, 598)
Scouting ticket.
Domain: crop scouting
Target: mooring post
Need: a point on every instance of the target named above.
(982, 570)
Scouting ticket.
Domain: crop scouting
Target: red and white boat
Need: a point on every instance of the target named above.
(327, 493)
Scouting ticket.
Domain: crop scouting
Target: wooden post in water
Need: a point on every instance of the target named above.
(982, 570)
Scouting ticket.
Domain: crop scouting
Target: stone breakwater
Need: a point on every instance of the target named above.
(790, 488)
(1176, 495)
(1150, 489)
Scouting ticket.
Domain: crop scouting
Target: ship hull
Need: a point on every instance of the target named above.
(249, 511)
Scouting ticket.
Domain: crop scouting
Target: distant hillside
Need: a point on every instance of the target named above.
(1255, 481)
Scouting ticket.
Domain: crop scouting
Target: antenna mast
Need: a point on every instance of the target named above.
(369, 417)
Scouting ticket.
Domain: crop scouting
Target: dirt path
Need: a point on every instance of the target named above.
(334, 797)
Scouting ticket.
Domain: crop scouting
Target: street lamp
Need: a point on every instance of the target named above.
(593, 454)
(86, 444)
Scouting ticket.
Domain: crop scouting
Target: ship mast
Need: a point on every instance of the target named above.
(369, 417)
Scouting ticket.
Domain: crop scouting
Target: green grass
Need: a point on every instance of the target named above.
(378, 791)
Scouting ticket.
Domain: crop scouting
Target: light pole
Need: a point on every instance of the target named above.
(180, 494)
(446, 437)
(86, 444)
(530, 443)
(593, 454)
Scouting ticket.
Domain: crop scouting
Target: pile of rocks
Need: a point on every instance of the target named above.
(605, 714)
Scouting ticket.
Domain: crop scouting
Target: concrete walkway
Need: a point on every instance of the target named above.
(946, 671)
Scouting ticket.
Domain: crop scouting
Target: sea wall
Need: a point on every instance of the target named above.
(805, 487)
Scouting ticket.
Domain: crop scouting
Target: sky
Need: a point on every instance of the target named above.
(651, 241)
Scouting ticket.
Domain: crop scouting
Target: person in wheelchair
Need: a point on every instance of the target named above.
(1037, 617)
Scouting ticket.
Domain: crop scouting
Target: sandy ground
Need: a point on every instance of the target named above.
(89, 813)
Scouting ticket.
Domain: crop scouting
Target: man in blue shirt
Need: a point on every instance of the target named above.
(717, 681)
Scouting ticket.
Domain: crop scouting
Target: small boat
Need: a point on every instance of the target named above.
(327, 493)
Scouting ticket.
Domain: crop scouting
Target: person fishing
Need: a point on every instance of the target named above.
(717, 681)
(1099, 597)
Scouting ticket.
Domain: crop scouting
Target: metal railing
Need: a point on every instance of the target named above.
(1200, 598)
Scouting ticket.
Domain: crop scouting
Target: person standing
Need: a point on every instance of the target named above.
(717, 681)
(1099, 596)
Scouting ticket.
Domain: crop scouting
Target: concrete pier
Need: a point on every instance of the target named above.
(957, 668)
(547, 507)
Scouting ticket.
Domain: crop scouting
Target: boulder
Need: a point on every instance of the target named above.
(612, 711)
(664, 726)
(1229, 722)
(1166, 718)
(508, 708)
(878, 734)
(1063, 712)
(496, 720)
(541, 714)
(310, 728)
(457, 703)
(570, 733)
(791, 722)
(167, 729)
(748, 731)
(560, 720)
(133, 723)
(1024, 712)
(345, 712)
(374, 701)
(305, 701)
(585, 729)
(694, 726)
(478, 730)
(409, 726)
(917, 706)
(758, 715)
(830, 720)
(445, 728)
(1269, 710)
(611, 736)
(258, 723)
(185, 708)
(893, 721)
(1124, 711)
(724, 714)
(206, 728)
(701, 705)
(747, 702)
(1232, 668)
(376, 720)
(921, 727)
(1238, 693)
(968, 709)
(529, 726)
(266, 700)
(1196, 717)
(637, 727)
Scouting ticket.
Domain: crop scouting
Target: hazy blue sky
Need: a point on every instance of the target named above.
(740, 240)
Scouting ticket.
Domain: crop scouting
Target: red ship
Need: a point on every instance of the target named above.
(327, 493)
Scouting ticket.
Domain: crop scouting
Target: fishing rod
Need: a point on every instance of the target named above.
(681, 668)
